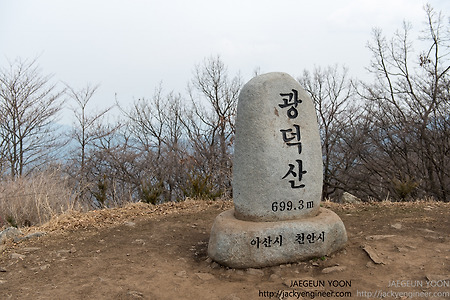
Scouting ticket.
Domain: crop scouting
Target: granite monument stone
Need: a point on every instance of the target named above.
(277, 181)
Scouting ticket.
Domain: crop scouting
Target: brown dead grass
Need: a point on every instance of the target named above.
(35, 199)
(73, 220)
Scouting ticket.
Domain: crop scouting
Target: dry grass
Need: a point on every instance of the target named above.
(425, 203)
(72, 220)
(95, 219)
(46, 200)
(35, 199)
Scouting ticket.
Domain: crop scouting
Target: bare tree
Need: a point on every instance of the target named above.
(88, 129)
(150, 120)
(407, 107)
(156, 126)
(29, 105)
(210, 123)
(334, 98)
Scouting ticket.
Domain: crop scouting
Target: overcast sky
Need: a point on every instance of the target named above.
(129, 47)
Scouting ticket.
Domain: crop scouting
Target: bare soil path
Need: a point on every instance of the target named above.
(160, 252)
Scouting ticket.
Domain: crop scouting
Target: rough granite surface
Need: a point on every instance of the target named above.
(262, 158)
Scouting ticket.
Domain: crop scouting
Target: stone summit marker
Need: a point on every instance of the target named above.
(277, 181)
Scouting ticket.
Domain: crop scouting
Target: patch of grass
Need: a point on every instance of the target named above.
(33, 200)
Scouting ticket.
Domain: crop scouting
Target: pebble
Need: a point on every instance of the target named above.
(17, 256)
(130, 224)
(401, 249)
(136, 294)
(30, 249)
(396, 226)
(239, 272)
(379, 237)
(373, 255)
(62, 251)
(214, 265)
(205, 276)
(334, 269)
(274, 277)
(182, 274)
(139, 241)
(256, 272)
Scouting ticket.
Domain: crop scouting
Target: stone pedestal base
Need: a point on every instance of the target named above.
(244, 244)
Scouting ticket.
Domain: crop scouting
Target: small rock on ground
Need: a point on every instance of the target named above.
(334, 269)
(255, 272)
(373, 255)
(205, 276)
(135, 295)
(396, 226)
(274, 277)
(30, 249)
(349, 198)
(379, 237)
(182, 274)
(130, 224)
(17, 256)
(10, 232)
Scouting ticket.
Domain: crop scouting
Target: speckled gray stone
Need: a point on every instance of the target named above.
(262, 157)
(246, 244)
(277, 181)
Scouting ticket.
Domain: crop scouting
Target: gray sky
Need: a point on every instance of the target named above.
(129, 47)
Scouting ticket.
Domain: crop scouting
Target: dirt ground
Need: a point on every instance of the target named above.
(395, 250)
